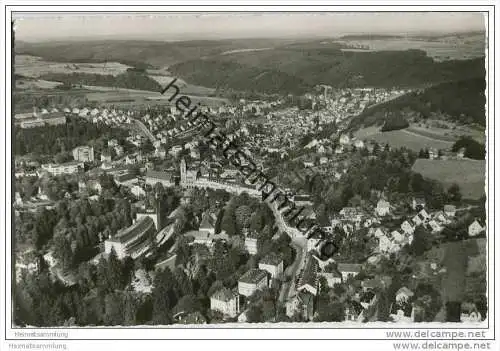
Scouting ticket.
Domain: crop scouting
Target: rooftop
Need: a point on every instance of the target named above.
(253, 276)
(66, 164)
(405, 290)
(272, 259)
(349, 267)
(223, 294)
(309, 274)
(159, 175)
(134, 230)
(207, 221)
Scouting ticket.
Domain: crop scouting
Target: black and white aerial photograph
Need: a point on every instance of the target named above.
(249, 169)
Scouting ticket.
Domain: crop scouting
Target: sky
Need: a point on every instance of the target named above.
(190, 26)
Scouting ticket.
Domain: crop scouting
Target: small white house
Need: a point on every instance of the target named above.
(383, 208)
(476, 228)
(348, 269)
(273, 264)
(407, 227)
(424, 214)
(344, 139)
(403, 295)
(384, 244)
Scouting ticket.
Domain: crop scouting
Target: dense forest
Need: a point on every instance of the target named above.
(293, 70)
(462, 101)
(235, 76)
(51, 140)
(394, 122)
(131, 79)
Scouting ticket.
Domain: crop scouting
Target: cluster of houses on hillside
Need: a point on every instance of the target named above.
(227, 301)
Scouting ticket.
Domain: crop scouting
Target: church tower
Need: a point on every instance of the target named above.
(183, 171)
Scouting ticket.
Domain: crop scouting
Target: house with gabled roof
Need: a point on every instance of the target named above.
(383, 208)
(418, 219)
(475, 228)
(403, 295)
(397, 236)
(301, 303)
(207, 223)
(251, 243)
(348, 269)
(424, 214)
(251, 281)
(384, 243)
(441, 218)
(225, 301)
(434, 226)
(331, 278)
(308, 280)
(272, 263)
(407, 227)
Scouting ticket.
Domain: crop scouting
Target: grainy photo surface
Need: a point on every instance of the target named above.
(237, 168)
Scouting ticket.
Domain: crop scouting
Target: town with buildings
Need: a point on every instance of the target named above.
(124, 214)
(184, 209)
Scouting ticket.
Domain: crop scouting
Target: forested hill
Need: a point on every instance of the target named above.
(235, 76)
(463, 101)
(266, 65)
(135, 53)
(296, 70)
(128, 80)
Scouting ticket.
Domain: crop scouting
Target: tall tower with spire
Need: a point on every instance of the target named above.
(183, 171)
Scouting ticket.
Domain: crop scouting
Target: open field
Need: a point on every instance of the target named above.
(449, 134)
(468, 174)
(434, 133)
(184, 87)
(33, 66)
(440, 49)
(23, 84)
(402, 138)
(113, 95)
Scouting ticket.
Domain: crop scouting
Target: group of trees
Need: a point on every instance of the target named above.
(101, 296)
(395, 121)
(473, 149)
(461, 101)
(302, 67)
(262, 305)
(97, 298)
(243, 212)
(74, 227)
(51, 140)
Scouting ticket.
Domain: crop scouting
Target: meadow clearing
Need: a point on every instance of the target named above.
(403, 138)
(33, 66)
(468, 174)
